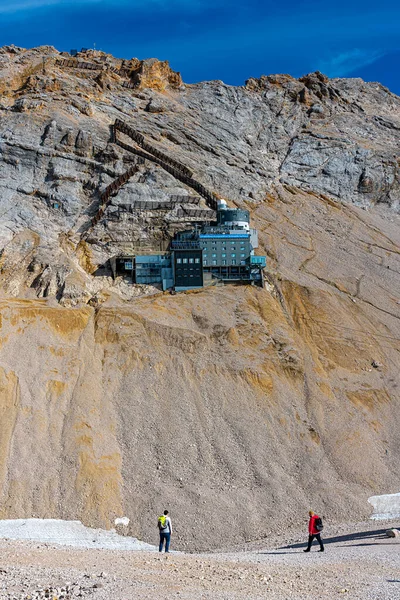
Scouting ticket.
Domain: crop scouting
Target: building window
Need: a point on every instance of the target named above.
(214, 255)
(204, 263)
(178, 261)
(232, 242)
(197, 260)
(223, 255)
(233, 254)
(242, 262)
(185, 261)
(233, 262)
(223, 247)
(224, 262)
(214, 262)
(191, 260)
(242, 256)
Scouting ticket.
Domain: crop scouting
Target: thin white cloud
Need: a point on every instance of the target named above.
(26, 5)
(19, 6)
(346, 62)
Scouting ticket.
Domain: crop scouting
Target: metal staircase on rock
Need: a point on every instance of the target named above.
(172, 166)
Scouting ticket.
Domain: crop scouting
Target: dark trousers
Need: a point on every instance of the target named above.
(310, 540)
(167, 538)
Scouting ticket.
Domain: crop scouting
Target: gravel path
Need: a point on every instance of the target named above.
(362, 565)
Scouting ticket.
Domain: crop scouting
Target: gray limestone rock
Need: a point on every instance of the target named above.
(83, 106)
(335, 137)
(84, 143)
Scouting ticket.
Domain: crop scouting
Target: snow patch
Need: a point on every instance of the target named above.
(386, 506)
(68, 533)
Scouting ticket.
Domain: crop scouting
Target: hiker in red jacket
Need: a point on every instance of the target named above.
(314, 531)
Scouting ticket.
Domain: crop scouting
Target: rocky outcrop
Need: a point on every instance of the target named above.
(155, 74)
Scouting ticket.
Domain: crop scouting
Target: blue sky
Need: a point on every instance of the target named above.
(221, 39)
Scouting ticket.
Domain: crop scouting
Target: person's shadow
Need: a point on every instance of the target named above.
(364, 538)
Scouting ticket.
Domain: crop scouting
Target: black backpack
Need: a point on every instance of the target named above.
(319, 524)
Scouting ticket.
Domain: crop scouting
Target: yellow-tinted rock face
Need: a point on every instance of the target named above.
(203, 403)
(58, 448)
(155, 74)
(9, 409)
(213, 401)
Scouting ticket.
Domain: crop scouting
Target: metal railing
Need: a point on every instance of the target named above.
(79, 64)
(74, 63)
(140, 140)
(182, 245)
(111, 189)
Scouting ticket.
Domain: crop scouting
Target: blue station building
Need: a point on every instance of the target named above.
(222, 251)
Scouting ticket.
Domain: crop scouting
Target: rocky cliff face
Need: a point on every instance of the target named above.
(215, 400)
(334, 137)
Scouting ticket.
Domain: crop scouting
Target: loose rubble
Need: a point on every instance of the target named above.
(359, 563)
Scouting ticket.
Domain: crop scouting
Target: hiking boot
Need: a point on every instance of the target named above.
(306, 550)
(321, 550)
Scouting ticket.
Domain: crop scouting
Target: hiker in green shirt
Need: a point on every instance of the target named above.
(165, 527)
